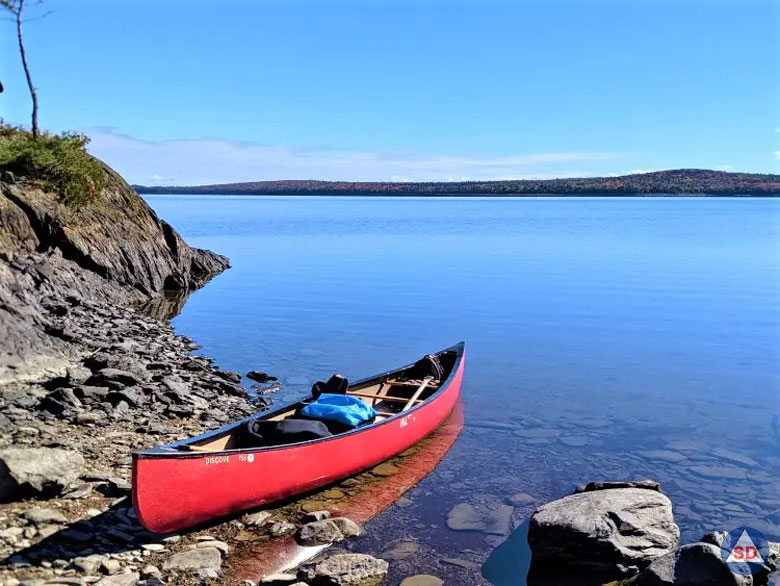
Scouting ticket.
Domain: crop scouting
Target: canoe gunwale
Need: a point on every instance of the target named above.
(170, 450)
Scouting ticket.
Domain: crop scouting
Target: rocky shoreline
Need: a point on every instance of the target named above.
(87, 376)
(65, 450)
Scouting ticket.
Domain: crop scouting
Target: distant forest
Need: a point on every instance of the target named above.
(677, 182)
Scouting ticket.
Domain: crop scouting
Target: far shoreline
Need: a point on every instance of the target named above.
(149, 191)
(672, 183)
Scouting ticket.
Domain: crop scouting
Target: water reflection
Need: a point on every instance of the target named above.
(509, 563)
(165, 306)
(360, 498)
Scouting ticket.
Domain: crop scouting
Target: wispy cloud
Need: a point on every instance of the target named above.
(777, 155)
(191, 162)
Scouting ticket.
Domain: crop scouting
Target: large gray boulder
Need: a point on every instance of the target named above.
(697, 564)
(37, 472)
(346, 569)
(599, 529)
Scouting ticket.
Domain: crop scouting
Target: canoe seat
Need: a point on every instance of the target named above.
(412, 383)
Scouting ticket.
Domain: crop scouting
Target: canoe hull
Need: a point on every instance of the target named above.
(173, 491)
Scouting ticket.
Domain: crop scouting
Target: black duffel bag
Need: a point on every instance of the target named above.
(259, 432)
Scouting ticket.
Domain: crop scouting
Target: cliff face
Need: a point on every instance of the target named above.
(51, 255)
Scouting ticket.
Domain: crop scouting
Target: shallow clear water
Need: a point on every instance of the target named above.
(607, 338)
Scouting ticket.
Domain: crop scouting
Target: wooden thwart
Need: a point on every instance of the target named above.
(417, 393)
(381, 397)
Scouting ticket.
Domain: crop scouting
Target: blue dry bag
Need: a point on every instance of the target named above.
(341, 408)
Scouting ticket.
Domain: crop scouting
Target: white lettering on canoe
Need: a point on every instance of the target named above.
(246, 458)
(217, 460)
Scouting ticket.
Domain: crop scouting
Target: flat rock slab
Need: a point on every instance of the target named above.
(735, 457)
(538, 433)
(602, 528)
(37, 472)
(573, 441)
(347, 569)
(464, 517)
(40, 516)
(664, 455)
(202, 558)
(401, 549)
(722, 472)
(495, 519)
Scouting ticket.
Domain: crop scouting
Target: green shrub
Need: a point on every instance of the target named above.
(60, 161)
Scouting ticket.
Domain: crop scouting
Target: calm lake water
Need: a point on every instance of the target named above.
(607, 338)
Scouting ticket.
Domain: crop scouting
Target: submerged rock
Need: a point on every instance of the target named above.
(464, 517)
(260, 377)
(521, 499)
(37, 472)
(494, 519)
(422, 580)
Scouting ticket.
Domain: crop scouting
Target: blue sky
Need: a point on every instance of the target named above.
(189, 92)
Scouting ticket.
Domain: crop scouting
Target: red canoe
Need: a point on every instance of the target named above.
(191, 481)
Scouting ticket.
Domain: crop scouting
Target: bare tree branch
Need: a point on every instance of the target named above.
(16, 7)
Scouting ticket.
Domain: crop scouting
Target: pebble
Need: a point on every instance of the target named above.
(129, 579)
(282, 528)
(347, 527)
(220, 545)
(110, 566)
(279, 579)
(316, 516)
(256, 519)
(150, 570)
